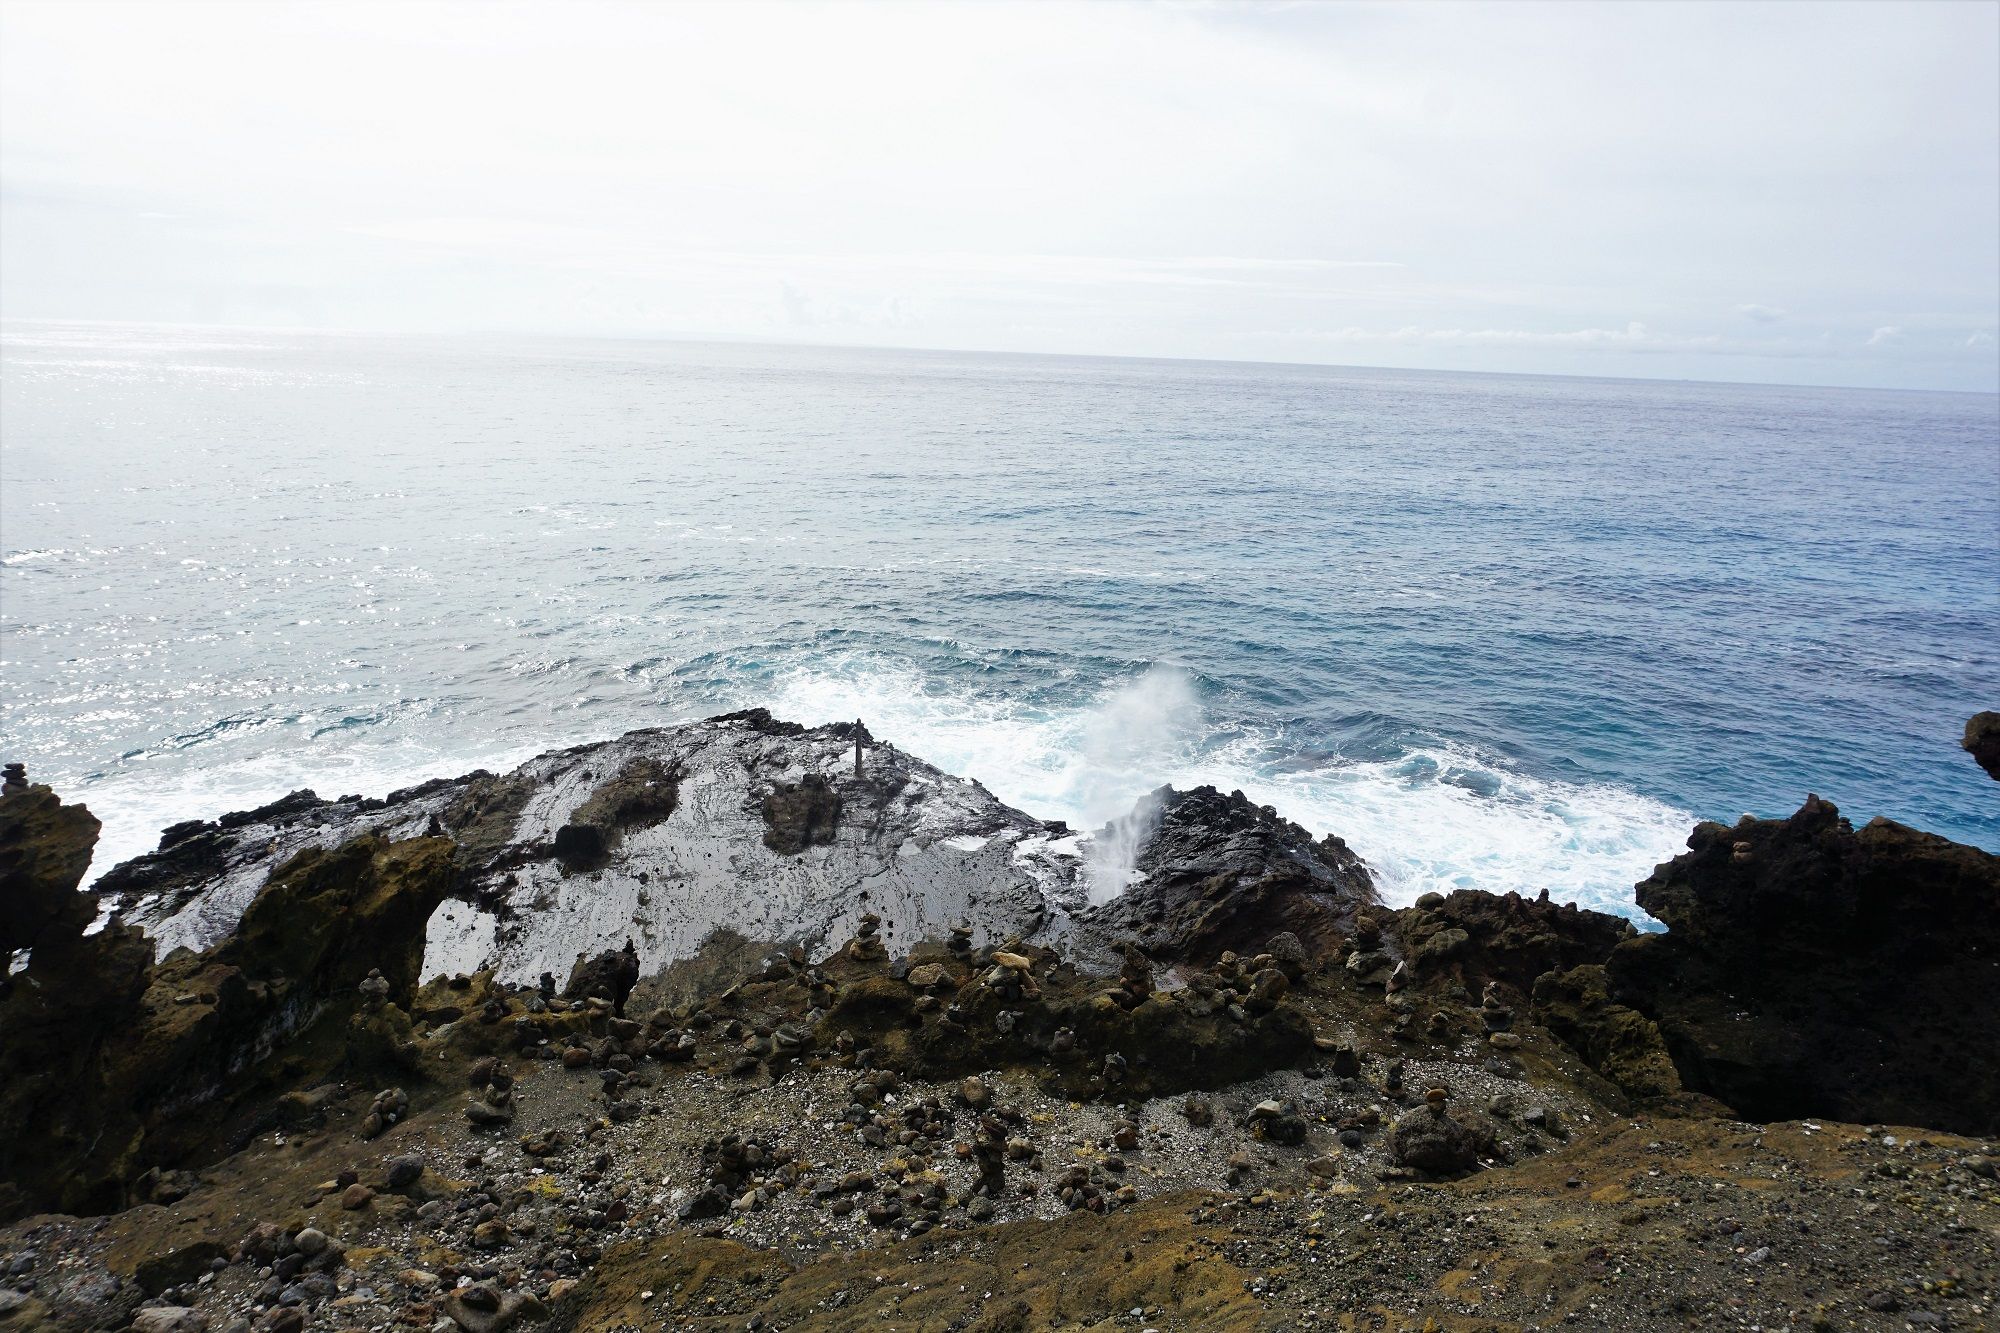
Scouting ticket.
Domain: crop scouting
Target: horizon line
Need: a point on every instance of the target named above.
(739, 341)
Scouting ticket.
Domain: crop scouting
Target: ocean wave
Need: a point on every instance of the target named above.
(1433, 816)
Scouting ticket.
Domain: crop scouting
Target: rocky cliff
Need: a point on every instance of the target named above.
(1810, 968)
(724, 1025)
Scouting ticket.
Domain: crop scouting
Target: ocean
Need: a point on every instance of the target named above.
(1503, 632)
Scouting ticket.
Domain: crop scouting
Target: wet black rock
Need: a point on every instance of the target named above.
(801, 814)
(1218, 873)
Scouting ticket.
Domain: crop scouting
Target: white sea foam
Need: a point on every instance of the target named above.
(135, 804)
(1441, 817)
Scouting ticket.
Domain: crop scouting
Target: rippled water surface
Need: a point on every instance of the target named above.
(1507, 632)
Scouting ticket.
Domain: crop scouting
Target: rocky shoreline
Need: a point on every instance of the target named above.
(744, 1024)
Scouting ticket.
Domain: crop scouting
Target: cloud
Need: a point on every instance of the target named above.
(1635, 336)
(1158, 180)
(1979, 338)
(1886, 336)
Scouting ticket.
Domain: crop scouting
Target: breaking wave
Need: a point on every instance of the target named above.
(1439, 816)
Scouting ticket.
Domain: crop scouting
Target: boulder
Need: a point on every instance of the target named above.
(1982, 742)
(1222, 874)
(610, 975)
(483, 1308)
(1431, 1140)
(1812, 969)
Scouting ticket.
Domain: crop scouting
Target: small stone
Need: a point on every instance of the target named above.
(312, 1242)
(926, 975)
(405, 1171)
(283, 1319)
(169, 1319)
(356, 1196)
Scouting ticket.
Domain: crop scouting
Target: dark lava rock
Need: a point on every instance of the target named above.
(642, 793)
(1616, 1040)
(297, 802)
(171, 1268)
(1219, 873)
(800, 815)
(1810, 969)
(1982, 742)
(45, 847)
(1431, 1140)
(128, 1065)
(610, 975)
(1475, 937)
(404, 1171)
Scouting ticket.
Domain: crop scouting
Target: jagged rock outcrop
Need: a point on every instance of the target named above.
(45, 847)
(120, 1063)
(655, 835)
(1219, 873)
(610, 975)
(1810, 968)
(1982, 742)
(1615, 1039)
(1476, 937)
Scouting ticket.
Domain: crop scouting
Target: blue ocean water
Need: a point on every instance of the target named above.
(1507, 632)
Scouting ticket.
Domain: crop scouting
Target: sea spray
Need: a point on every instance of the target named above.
(1434, 815)
(1138, 732)
(1111, 856)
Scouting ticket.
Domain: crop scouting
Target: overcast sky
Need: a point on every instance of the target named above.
(1792, 192)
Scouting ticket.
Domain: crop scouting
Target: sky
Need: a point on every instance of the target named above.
(1795, 193)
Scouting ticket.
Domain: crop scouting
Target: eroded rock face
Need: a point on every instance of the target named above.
(1219, 873)
(45, 847)
(1477, 937)
(740, 824)
(642, 793)
(1616, 1040)
(801, 814)
(1810, 968)
(120, 1063)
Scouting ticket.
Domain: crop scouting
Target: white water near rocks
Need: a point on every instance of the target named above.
(1500, 632)
(1438, 818)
